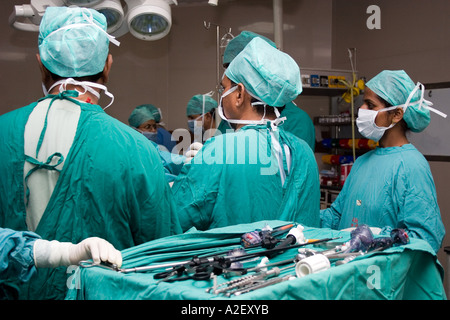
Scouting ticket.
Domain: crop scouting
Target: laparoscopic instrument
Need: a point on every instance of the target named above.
(243, 280)
(309, 261)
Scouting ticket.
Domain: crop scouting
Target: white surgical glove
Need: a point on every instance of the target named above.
(193, 149)
(52, 254)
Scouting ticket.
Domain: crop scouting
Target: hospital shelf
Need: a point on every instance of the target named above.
(326, 92)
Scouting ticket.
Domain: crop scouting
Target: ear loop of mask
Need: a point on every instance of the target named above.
(235, 121)
(384, 110)
(274, 123)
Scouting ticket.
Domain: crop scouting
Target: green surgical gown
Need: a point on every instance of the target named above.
(299, 123)
(389, 188)
(112, 186)
(235, 178)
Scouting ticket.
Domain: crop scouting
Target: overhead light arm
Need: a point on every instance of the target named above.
(27, 17)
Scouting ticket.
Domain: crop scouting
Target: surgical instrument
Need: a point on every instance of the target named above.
(219, 261)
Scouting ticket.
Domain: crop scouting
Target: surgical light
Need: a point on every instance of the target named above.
(83, 3)
(144, 19)
(113, 12)
(149, 19)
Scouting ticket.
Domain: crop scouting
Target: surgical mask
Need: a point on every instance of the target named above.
(366, 118)
(86, 85)
(192, 126)
(150, 135)
(366, 123)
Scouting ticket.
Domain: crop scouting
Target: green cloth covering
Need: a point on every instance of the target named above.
(405, 272)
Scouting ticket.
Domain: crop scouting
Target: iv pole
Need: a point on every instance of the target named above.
(207, 26)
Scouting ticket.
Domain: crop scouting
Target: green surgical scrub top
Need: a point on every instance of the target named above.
(389, 188)
(235, 178)
(112, 186)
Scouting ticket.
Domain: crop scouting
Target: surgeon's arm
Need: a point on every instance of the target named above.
(419, 213)
(330, 217)
(52, 254)
(16, 254)
(195, 191)
(23, 252)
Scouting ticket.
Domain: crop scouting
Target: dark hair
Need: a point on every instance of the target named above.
(93, 78)
(386, 104)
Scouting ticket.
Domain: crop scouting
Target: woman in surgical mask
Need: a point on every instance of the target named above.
(391, 186)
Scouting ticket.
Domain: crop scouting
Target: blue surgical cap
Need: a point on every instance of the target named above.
(238, 43)
(395, 88)
(267, 73)
(69, 44)
(143, 113)
(195, 104)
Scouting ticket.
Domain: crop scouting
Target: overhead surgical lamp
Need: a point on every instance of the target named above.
(113, 12)
(149, 19)
(83, 3)
(144, 19)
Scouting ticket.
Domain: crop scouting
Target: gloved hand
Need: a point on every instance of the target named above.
(52, 254)
(193, 150)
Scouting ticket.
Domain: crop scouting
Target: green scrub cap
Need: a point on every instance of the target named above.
(73, 41)
(267, 73)
(143, 113)
(395, 87)
(195, 104)
(238, 43)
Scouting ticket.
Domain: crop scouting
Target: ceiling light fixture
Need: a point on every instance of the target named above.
(144, 19)
(82, 3)
(149, 19)
(113, 12)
